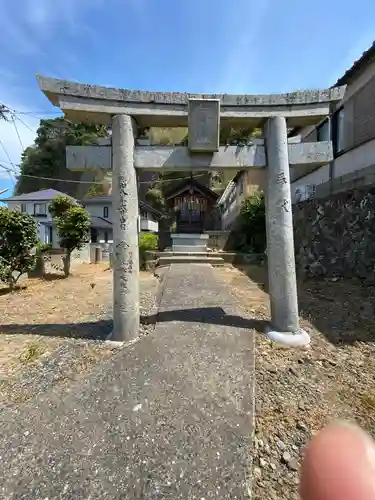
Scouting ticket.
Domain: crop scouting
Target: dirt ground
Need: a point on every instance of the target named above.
(54, 328)
(300, 390)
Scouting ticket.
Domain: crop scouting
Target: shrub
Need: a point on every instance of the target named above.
(43, 247)
(253, 223)
(72, 224)
(18, 239)
(147, 242)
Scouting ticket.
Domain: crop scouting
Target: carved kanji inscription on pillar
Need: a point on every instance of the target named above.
(204, 125)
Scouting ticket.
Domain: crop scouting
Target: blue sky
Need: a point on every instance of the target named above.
(190, 46)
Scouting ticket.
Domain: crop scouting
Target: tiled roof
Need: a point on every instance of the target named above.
(97, 199)
(108, 199)
(49, 194)
(149, 208)
(43, 195)
(174, 191)
(100, 222)
(95, 222)
(366, 58)
(359, 65)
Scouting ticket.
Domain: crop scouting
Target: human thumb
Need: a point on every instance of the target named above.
(339, 463)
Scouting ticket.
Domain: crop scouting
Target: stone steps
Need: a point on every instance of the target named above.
(190, 258)
(189, 248)
(170, 253)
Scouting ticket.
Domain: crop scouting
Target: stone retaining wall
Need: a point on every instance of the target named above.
(218, 240)
(335, 237)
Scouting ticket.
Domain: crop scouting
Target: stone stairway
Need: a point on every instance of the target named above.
(172, 257)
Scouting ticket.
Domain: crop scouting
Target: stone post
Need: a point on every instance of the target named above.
(125, 232)
(280, 245)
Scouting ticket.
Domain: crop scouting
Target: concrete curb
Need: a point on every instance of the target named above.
(253, 423)
(162, 276)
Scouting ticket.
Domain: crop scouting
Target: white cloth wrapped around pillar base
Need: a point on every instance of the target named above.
(299, 338)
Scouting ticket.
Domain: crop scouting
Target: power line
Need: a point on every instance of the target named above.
(9, 169)
(26, 113)
(10, 161)
(9, 172)
(161, 181)
(18, 134)
(36, 112)
(23, 123)
(6, 152)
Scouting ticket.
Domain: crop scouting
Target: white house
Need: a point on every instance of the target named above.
(98, 207)
(351, 128)
(244, 184)
(36, 204)
(101, 213)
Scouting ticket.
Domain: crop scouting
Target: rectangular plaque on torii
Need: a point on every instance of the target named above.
(204, 125)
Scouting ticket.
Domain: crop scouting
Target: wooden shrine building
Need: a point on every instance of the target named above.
(194, 205)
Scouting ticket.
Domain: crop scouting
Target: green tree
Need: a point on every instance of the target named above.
(46, 158)
(253, 223)
(18, 239)
(98, 189)
(155, 198)
(217, 181)
(72, 224)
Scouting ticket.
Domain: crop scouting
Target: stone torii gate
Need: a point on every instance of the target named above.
(127, 111)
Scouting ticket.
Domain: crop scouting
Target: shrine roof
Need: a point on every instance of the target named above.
(182, 186)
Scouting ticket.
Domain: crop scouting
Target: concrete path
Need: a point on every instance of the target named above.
(168, 418)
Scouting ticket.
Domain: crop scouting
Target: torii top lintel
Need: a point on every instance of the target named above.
(92, 103)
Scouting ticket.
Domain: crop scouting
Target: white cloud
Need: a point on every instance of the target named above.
(16, 37)
(27, 24)
(239, 61)
(46, 16)
(361, 45)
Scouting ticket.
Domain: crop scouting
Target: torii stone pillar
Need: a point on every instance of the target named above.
(280, 242)
(203, 115)
(125, 231)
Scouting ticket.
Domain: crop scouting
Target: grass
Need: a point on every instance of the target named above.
(31, 352)
(368, 401)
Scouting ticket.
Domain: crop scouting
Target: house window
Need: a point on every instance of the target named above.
(323, 132)
(40, 209)
(105, 212)
(105, 237)
(49, 235)
(23, 207)
(94, 235)
(241, 186)
(310, 191)
(339, 131)
(143, 214)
